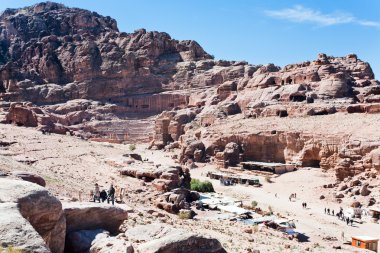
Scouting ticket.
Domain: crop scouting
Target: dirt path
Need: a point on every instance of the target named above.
(307, 184)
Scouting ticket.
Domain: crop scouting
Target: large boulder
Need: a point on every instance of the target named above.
(90, 216)
(159, 238)
(335, 88)
(30, 177)
(22, 116)
(364, 190)
(31, 207)
(16, 231)
(194, 146)
(231, 152)
(146, 233)
(176, 199)
(182, 243)
(375, 158)
(107, 244)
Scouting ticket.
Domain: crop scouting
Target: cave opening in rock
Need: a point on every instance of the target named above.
(282, 113)
(147, 179)
(297, 98)
(355, 109)
(311, 163)
(2, 88)
(323, 112)
(309, 100)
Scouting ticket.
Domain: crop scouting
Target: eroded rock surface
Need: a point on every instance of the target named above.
(155, 238)
(31, 208)
(72, 70)
(90, 216)
(16, 231)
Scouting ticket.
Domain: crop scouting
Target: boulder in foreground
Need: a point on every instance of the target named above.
(90, 216)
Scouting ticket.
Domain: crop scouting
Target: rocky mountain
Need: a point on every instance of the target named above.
(71, 70)
(51, 53)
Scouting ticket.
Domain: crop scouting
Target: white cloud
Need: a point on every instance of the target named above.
(300, 14)
(369, 23)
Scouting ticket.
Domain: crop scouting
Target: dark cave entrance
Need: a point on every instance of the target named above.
(2, 88)
(282, 114)
(311, 163)
(297, 98)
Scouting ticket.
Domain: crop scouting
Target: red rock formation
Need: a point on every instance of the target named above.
(56, 56)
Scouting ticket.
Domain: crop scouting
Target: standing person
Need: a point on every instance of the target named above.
(328, 211)
(342, 235)
(97, 193)
(111, 195)
(333, 212)
(103, 195)
(325, 210)
(352, 221)
(347, 220)
(305, 205)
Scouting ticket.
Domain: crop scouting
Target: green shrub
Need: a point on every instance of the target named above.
(132, 147)
(10, 249)
(254, 204)
(184, 215)
(199, 186)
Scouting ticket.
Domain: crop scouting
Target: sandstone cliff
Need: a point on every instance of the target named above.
(68, 70)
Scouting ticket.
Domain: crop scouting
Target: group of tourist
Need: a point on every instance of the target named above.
(340, 215)
(98, 195)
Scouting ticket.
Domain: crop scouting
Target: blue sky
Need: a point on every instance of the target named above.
(260, 32)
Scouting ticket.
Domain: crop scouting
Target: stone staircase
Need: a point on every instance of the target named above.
(130, 130)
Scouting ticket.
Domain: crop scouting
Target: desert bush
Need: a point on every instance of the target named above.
(132, 147)
(184, 215)
(10, 249)
(254, 204)
(199, 186)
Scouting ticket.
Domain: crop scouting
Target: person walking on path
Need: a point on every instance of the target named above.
(111, 195)
(103, 195)
(97, 193)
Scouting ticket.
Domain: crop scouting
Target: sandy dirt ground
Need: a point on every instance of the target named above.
(307, 184)
(71, 165)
